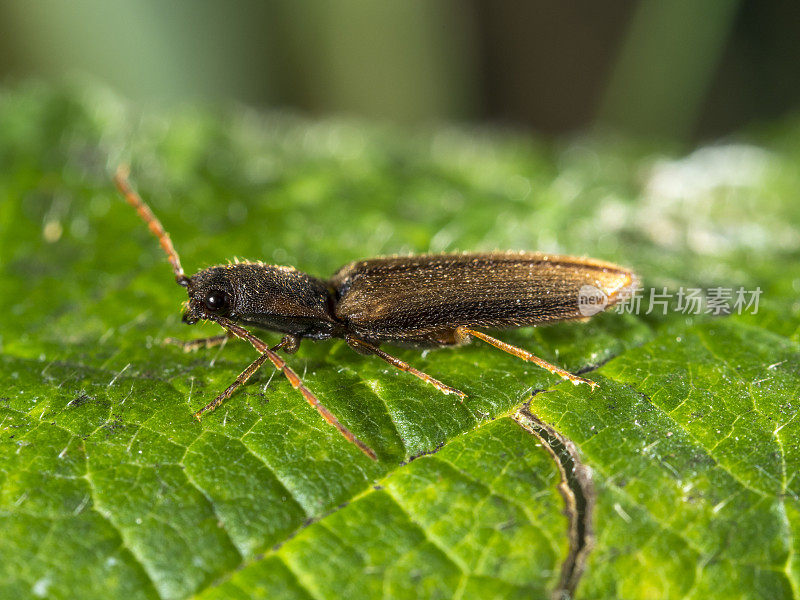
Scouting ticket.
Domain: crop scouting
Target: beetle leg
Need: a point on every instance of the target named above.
(207, 342)
(463, 332)
(240, 380)
(269, 354)
(363, 347)
(290, 344)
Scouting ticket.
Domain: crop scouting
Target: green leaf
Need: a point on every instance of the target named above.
(110, 488)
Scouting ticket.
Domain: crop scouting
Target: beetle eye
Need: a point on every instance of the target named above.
(216, 300)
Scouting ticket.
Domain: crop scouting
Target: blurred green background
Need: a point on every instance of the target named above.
(675, 70)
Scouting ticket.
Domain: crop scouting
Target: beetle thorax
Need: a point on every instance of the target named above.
(267, 296)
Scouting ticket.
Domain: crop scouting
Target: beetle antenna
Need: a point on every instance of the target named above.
(121, 180)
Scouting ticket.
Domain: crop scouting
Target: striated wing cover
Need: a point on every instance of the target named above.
(409, 297)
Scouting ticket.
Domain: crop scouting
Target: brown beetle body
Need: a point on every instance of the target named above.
(426, 300)
(417, 300)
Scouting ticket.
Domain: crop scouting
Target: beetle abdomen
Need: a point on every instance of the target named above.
(412, 297)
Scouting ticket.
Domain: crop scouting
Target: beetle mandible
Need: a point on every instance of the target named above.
(427, 301)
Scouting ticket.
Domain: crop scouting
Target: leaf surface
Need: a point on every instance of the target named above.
(109, 487)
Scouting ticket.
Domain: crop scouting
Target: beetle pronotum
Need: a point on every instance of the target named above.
(427, 300)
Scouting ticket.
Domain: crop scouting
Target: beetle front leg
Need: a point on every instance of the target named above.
(206, 342)
(267, 353)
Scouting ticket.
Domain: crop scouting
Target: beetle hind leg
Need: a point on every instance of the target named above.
(363, 347)
(464, 334)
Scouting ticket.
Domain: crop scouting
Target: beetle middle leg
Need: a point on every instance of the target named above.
(288, 343)
(463, 334)
(363, 347)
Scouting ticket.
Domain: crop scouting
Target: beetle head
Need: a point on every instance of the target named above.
(211, 295)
